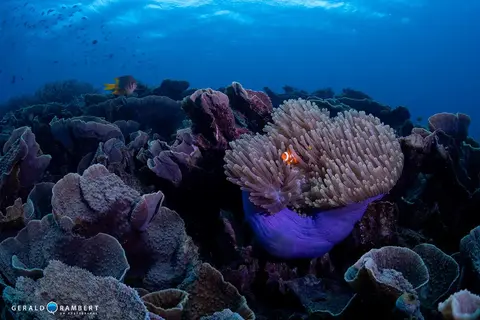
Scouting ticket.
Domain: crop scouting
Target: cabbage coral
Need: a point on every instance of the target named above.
(309, 160)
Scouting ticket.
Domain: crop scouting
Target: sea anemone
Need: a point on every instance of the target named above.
(341, 165)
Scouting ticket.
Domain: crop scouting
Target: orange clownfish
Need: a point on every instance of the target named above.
(289, 158)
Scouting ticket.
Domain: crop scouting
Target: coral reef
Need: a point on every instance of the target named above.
(231, 203)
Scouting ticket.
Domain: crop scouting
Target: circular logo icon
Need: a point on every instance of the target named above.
(52, 307)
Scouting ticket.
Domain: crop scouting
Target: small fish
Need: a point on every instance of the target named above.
(124, 85)
(289, 158)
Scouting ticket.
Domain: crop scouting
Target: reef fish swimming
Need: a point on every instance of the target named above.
(124, 85)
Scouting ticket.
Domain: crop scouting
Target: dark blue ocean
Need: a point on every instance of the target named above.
(419, 53)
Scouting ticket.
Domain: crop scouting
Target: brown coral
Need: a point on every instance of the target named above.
(210, 293)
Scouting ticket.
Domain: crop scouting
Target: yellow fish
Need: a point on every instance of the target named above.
(124, 85)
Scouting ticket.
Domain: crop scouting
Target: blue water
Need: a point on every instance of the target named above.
(419, 53)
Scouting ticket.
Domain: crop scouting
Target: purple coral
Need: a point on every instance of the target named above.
(171, 250)
(74, 286)
(33, 161)
(99, 201)
(454, 125)
(67, 131)
(173, 162)
(213, 120)
(390, 271)
(39, 201)
(43, 240)
(255, 107)
(462, 305)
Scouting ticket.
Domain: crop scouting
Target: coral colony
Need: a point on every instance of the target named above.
(176, 203)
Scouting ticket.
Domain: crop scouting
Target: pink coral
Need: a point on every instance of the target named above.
(99, 201)
(213, 120)
(254, 106)
(462, 305)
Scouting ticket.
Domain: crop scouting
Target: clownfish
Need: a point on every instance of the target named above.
(289, 158)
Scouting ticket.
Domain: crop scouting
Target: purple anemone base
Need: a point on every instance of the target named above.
(288, 235)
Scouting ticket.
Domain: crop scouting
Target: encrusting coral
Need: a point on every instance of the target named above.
(309, 160)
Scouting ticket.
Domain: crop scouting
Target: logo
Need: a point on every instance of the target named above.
(63, 309)
(52, 307)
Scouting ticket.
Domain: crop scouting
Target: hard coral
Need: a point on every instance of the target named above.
(226, 314)
(425, 272)
(377, 227)
(321, 297)
(13, 213)
(99, 201)
(255, 106)
(462, 305)
(159, 114)
(454, 125)
(39, 201)
(43, 240)
(443, 271)
(168, 303)
(63, 91)
(69, 131)
(74, 286)
(26, 150)
(388, 271)
(209, 293)
(173, 162)
(470, 250)
(167, 245)
(213, 121)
